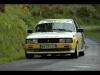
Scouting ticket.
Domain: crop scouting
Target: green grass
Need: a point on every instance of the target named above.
(12, 34)
(93, 34)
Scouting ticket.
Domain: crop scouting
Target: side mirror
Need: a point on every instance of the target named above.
(79, 30)
(29, 31)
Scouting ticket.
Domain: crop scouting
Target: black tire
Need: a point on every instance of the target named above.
(29, 56)
(82, 53)
(76, 54)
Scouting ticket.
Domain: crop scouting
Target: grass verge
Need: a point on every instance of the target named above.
(93, 34)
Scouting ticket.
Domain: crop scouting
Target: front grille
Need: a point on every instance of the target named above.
(48, 40)
(48, 50)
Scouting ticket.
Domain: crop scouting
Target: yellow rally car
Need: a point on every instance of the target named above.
(53, 37)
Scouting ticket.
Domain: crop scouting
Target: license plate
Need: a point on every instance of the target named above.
(30, 46)
(47, 46)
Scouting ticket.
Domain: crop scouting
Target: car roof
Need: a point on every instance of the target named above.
(56, 20)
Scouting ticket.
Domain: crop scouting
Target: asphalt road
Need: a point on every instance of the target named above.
(89, 62)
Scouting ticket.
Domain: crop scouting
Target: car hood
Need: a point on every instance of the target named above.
(50, 35)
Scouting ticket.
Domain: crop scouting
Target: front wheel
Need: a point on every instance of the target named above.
(82, 53)
(29, 56)
(76, 54)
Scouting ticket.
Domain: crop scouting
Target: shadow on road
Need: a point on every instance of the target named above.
(55, 57)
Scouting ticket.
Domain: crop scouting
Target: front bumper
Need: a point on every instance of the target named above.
(59, 49)
(60, 52)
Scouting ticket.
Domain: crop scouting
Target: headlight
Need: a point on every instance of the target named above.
(67, 40)
(31, 41)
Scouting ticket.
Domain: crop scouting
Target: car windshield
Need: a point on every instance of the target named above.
(55, 27)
